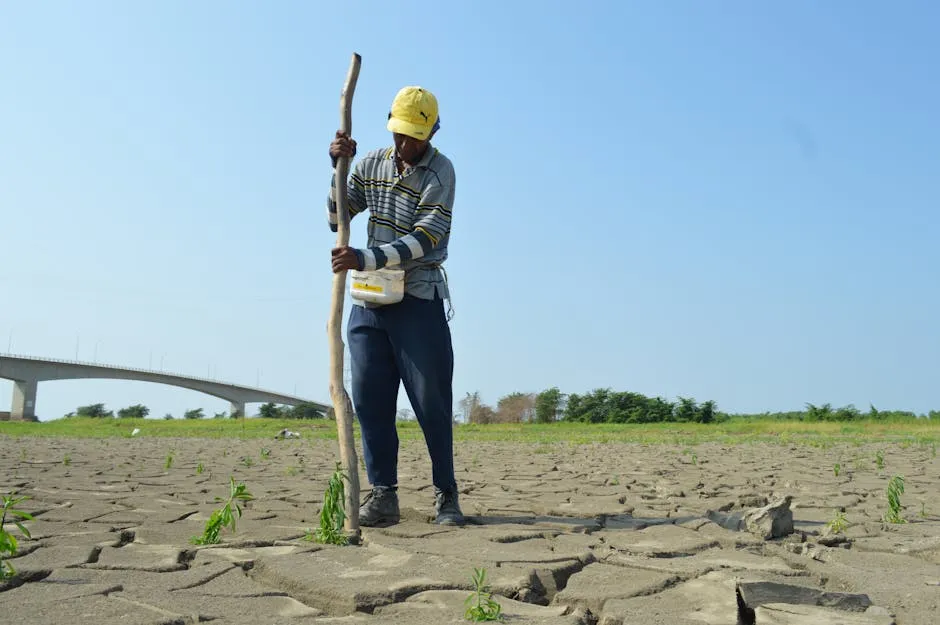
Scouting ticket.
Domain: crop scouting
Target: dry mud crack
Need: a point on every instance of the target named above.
(601, 534)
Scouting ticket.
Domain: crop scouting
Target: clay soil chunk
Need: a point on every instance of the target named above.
(775, 520)
(49, 558)
(708, 600)
(712, 560)
(662, 541)
(599, 583)
(447, 607)
(755, 594)
(785, 614)
(100, 610)
(341, 581)
(156, 558)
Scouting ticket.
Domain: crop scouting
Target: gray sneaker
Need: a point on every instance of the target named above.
(447, 507)
(380, 507)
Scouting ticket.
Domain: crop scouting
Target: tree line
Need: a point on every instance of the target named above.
(605, 405)
(139, 411)
(551, 405)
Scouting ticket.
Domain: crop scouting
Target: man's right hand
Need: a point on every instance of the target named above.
(342, 146)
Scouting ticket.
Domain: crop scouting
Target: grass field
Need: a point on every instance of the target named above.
(905, 432)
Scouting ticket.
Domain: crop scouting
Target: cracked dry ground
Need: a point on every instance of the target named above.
(604, 533)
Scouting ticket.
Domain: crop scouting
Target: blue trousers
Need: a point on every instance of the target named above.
(407, 342)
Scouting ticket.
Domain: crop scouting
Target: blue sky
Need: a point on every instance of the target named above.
(675, 198)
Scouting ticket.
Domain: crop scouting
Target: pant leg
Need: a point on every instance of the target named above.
(375, 382)
(423, 350)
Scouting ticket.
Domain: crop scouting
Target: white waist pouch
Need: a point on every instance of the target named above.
(383, 286)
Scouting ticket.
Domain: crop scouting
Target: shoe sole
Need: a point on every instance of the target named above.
(451, 523)
(382, 522)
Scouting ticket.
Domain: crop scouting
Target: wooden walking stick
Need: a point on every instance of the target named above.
(342, 406)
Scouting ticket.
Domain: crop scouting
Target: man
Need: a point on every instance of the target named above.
(408, 191)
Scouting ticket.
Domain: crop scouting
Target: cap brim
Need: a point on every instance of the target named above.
(405, 128)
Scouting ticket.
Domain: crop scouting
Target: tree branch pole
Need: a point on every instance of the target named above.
(342, 406)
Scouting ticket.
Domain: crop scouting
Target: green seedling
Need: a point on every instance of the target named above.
(67, 459)
(695, 459)
(880, 459)
(291, 470)
(923, 510)
(837, 469)
(332, 514)
(480, 605)
(247, 461)
(8, 540)
(265, 452)
(894, 491)
(839, 523)
(224, 516)
(169, 461)
(200, 468)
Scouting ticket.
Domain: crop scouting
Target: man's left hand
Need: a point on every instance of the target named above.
(345, 258)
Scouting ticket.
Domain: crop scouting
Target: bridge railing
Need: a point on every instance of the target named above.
(82, 363)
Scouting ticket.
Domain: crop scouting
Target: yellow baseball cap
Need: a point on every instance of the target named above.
(414, 113)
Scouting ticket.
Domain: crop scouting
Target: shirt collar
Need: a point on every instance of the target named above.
(429, 155)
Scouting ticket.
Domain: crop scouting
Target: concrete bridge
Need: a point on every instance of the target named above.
(27, 372)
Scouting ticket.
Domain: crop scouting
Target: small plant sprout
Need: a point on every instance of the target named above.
(837, 469)
(224, 516)
(8, 540)
(67, 459)
(894, 491)
(880, 459)
(923, 510)
(169, 461)
(247, 461)
(200, 468)
(265, 452)
(839, 523)
(480, 605)
(857, 463)
(332, 514)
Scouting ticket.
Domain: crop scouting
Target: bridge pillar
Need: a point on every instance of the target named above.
(238, 409)
(24, 400)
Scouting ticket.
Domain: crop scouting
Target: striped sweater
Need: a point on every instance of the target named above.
(409, 216)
